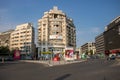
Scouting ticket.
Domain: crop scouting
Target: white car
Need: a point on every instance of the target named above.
(118, 56)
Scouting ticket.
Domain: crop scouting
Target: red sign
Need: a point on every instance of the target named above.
(114, 51)
(16, 55)
(69, 53)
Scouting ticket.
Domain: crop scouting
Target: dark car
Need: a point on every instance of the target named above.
(6, 58)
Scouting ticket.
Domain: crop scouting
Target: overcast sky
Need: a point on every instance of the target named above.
(90, 16)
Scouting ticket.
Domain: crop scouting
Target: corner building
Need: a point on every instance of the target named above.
(56, 32)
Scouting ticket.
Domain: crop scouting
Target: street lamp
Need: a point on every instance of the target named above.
(51, 53)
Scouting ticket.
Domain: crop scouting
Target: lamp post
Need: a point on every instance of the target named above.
(51, 53)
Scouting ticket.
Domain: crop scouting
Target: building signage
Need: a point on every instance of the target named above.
(55, 37)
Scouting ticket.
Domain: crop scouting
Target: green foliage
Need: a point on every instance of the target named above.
(12, 52)
(86, 52)
(91, 52)
(4, 50)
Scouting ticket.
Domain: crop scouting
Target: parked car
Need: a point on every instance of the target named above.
(6, 58)
(28, 58)
(10, 58)
(118, 56)
(112, 57)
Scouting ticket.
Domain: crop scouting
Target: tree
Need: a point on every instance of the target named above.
(91, 52)
(4, 50)
(86, 52)
(12, 52)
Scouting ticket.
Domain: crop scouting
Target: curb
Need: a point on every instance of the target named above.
(64, 63)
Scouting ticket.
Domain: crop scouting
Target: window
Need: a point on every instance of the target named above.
(44, 24)
(43, 43)
(43, 28)
(57, 32)
(44, 49)
(55, 15)
(57, 25)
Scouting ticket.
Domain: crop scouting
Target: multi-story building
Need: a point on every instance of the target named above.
(99, 43)
(88, 48)
(23, 38)
(112, 36)
(5, 38)
(56, 31)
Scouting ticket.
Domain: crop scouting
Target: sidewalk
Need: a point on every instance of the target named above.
(46, 62)
(53, 63)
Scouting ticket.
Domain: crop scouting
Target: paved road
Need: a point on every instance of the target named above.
(89, 70)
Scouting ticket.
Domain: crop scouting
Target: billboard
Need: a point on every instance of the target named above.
(69, 53)
(16, 55)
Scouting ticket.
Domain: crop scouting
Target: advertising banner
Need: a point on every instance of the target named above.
(69, 53)
(16, 55)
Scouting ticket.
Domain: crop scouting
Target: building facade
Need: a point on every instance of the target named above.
(23, 38)
(112, 36)
(99, 43)
(56, 32)
(5, 38)
(88, 48)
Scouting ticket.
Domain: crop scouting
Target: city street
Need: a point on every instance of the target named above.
(88, 70)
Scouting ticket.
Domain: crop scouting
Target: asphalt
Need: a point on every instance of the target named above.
(97, 69)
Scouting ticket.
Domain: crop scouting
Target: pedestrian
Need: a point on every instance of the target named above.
(2, 59)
